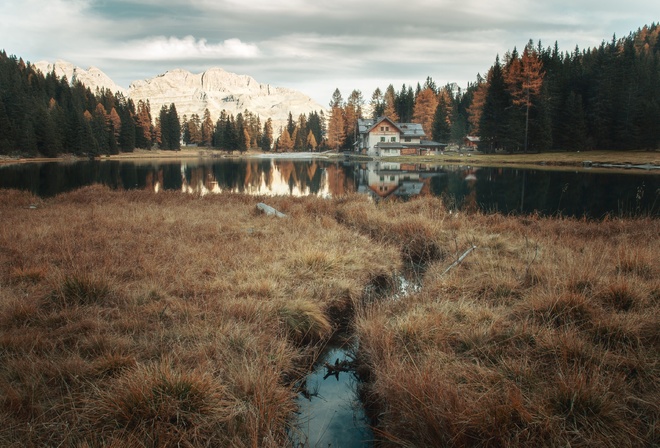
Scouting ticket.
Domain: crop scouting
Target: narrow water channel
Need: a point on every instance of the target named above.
(330, 412)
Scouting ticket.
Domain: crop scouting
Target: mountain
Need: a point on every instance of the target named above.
(215, 89)
(92, 77)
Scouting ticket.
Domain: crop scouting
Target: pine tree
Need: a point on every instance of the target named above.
(493, 125)
(377, 105)
(389, 101)
(267, 136)
(441, 119)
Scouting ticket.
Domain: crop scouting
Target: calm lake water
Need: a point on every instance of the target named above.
(576, 192)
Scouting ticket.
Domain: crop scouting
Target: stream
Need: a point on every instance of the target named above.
(330, 413)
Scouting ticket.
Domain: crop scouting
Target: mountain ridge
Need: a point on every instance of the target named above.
(214, 89)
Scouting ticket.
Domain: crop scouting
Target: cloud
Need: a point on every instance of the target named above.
(160, 48)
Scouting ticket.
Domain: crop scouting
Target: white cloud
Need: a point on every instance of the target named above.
(173, 48)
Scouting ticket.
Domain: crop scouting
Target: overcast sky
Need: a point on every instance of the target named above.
(312, 46)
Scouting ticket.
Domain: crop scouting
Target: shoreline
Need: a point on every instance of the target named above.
(608, 160)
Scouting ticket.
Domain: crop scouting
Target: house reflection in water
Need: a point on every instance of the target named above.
(457, 185)
(388, 179)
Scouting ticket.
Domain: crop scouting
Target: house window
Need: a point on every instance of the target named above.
(382, 178)
(387, 128)
(407, 139)
(392, 178)
(382, 139)
(393, 139)
(382, 128)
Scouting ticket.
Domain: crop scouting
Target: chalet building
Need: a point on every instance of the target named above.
(383, 137)
(471, 142)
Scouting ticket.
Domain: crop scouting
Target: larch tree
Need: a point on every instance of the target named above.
(337, 123)
(524, 79)
(311, 141)
(352, 111)
(207, 129)
(425, 106)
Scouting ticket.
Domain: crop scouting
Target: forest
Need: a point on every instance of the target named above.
(540, 99)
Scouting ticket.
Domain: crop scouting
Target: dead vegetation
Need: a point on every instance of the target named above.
(134, 319)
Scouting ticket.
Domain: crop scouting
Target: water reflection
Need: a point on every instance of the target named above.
(506, 190)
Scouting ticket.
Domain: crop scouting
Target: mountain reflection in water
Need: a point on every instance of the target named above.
(507, 190)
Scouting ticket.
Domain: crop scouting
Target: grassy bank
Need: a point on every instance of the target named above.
(554, 159)
(134, 319)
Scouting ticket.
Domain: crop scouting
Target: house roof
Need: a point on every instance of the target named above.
(366, 125)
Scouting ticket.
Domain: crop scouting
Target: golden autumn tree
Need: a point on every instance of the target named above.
(207, 129)
(337, 122)
(311, 141)
(285, 143)
(524, 79)
(424, 111)
(477, 106)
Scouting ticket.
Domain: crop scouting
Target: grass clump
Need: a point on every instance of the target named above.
(160, 406)
(304, 321)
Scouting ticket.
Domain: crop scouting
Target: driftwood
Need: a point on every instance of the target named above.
(457, 262)
(267, 209)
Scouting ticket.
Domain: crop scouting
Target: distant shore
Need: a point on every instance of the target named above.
(643, 160)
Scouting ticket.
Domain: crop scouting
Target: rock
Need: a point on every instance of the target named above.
(267, 209)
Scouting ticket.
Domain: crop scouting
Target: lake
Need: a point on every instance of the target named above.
(576, 192)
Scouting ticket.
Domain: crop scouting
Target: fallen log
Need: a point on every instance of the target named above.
(267, 209)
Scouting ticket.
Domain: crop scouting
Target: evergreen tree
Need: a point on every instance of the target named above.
(267, 136)
(377, 104)
(493, 125)
(441, 120)
(389, 101)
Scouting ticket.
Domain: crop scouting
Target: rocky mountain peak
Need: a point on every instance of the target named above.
(214, 89)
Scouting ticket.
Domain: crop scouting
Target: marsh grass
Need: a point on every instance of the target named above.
(546, 335)
(134, 319)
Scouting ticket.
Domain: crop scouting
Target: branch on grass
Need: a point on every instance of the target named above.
(457, 262)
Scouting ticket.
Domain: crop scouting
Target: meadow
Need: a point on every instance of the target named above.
(129, 318)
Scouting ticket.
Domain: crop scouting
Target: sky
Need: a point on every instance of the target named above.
(311, 46)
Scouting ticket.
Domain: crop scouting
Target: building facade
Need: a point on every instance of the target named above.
(382, 137)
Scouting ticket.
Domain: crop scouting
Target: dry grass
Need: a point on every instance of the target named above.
(547, 335)
(133, 319)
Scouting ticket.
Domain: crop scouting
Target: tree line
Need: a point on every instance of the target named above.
(542, 99)
(606, 97)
